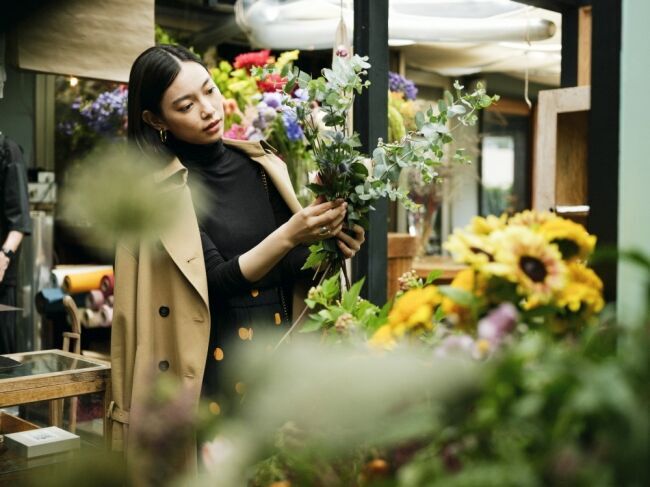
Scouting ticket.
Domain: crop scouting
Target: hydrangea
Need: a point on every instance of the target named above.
(107, 113)
(401, 84)
(291, 125)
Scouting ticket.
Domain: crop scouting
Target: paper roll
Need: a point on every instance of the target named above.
(95, 300)
(59, 272)
(107, 283)
(91, 319)
(83, 282)
(107, 315)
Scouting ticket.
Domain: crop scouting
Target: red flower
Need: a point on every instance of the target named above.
(250, 59)
(272, 83)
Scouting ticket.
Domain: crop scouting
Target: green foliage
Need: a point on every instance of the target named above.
(343, 170)
(342, 316)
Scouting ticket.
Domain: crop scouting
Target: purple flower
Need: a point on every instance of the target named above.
(273, 100)
(399, 83)
(291, 126)
(455, 345)
(105, 115)
(497, 324)
(300, 94)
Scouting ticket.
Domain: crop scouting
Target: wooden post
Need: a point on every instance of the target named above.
(402, 248)
(371, 122)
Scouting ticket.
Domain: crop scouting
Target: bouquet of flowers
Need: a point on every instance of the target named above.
(343, 171)
(529, 268)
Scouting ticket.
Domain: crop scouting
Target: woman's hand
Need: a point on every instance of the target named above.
(350, 245)
(316, 222)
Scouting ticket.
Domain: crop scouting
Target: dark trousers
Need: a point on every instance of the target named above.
(8, 343)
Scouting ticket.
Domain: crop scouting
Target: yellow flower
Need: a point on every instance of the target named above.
(413, 311)
(486, 225)
(469, 248)
(411, 314)
(572, 239)
(528, 260)
(584, 288)
(383, 338)
(466, 280)
(286, 58)
(532, 219)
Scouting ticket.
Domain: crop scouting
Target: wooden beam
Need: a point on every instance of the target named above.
(584, 46)
(371, 122)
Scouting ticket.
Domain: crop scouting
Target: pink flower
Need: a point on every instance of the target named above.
(236, 132)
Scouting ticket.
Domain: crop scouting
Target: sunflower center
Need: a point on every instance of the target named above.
(568, 248)
(533, 268)
(476, 250)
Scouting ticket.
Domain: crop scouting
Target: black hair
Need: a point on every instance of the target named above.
(151, 74)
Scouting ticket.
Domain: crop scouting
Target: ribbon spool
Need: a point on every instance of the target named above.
(83, 282)
(107, 284)
(91, 319)
(95, 300)
(59, 273)
(107, 315)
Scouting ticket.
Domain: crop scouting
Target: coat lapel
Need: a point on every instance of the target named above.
(181, 238)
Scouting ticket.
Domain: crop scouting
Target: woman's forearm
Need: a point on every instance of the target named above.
(259, 260)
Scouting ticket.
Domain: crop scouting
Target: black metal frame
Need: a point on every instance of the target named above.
(603, 120)
(371, 39)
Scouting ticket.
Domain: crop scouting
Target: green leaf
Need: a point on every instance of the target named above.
(419, 120)
(460, 296)
(331, 287)
(311, 326)
(433, 275)
(349, 299)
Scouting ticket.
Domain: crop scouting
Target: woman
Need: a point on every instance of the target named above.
(218, 278)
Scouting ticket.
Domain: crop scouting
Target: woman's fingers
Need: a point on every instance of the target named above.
(316, 207)
(349, 241)
(347, 251)
(337, 230)
(329, 217)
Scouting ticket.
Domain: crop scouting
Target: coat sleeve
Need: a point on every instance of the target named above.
(123, 345)
(16, 200)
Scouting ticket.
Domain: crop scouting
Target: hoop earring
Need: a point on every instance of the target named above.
(163, 135)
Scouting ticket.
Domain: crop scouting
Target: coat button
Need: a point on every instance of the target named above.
(163, 311)
(163, 365)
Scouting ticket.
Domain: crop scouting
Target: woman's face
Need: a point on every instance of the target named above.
(192, 106)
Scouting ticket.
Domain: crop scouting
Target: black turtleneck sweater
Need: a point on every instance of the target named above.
(236, 212)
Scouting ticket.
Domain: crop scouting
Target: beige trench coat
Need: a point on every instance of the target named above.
(161, 320)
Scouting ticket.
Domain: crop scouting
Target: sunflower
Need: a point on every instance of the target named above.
(413, 311)
(584, 290)
(486, 225)
(469, 248)
(466, 280)
(532, 219)
(528, 260)
(571, 238)
(412, 314)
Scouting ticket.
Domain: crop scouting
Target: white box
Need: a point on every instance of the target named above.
(42, 192)
(45, 177)
(42, 441)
